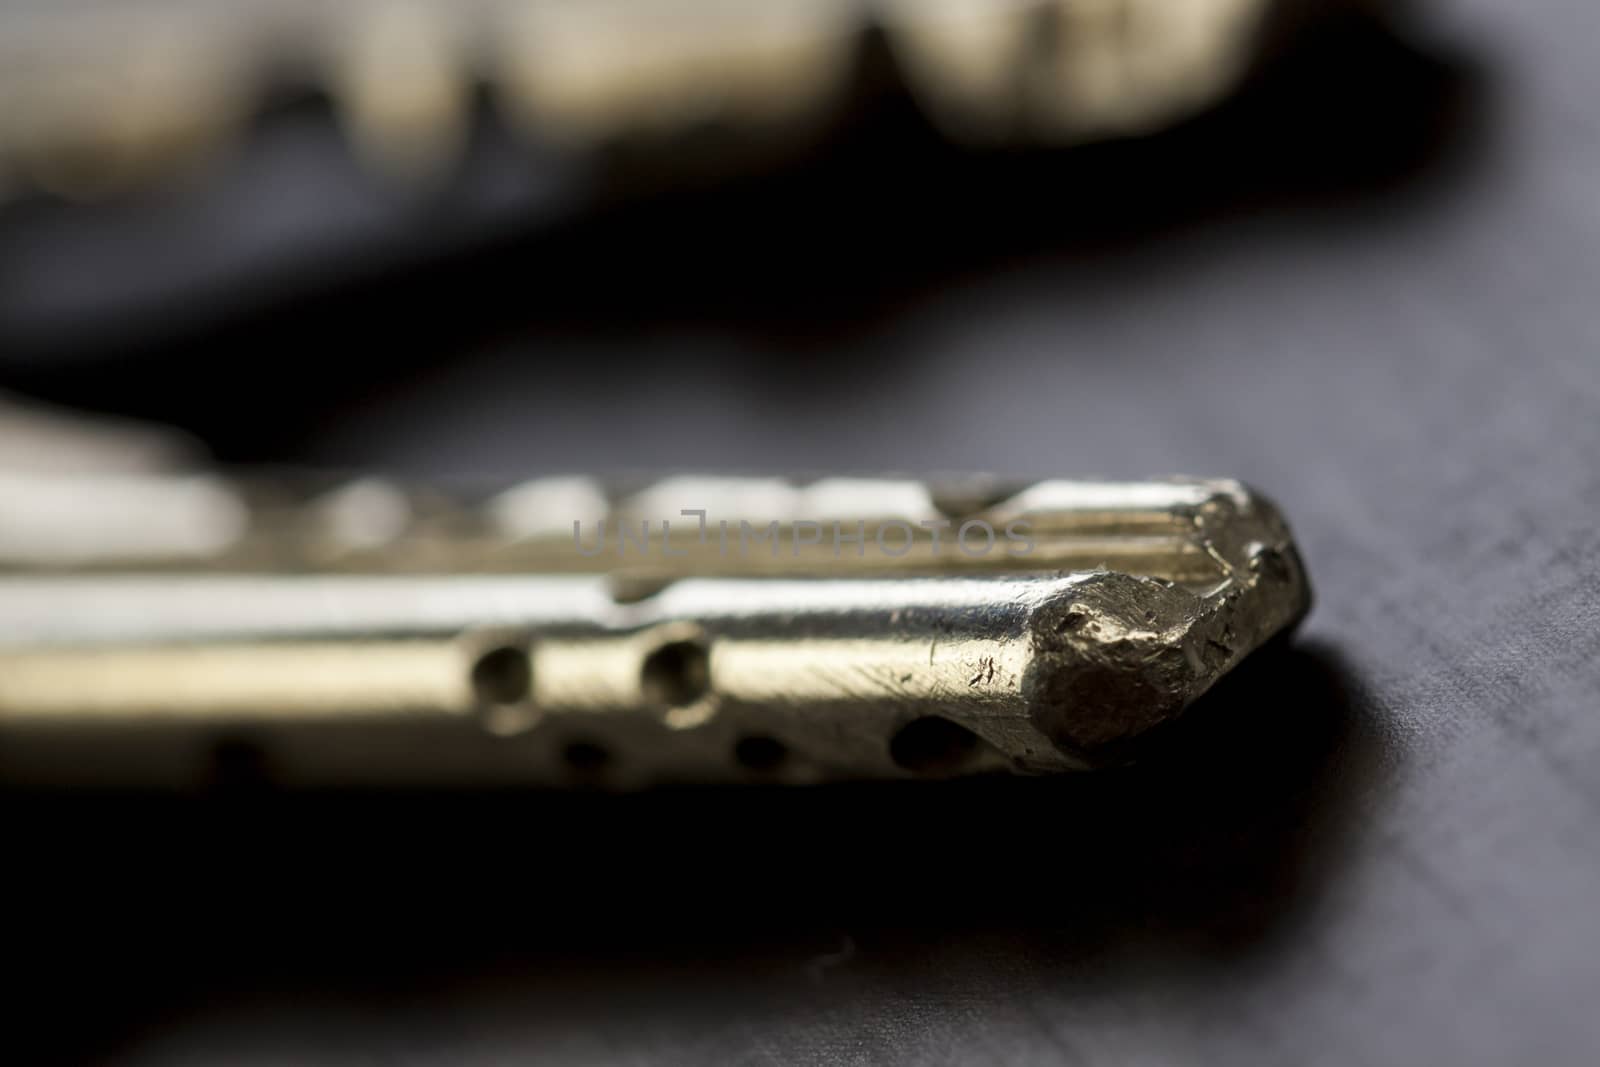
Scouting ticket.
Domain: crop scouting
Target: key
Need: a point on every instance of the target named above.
(566, 632)
(97, 96)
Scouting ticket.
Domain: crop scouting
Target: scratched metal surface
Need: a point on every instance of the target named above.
(1378, 846)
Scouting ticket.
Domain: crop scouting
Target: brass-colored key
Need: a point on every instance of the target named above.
(697, 629)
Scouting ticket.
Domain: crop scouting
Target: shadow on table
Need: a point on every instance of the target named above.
(143, 917)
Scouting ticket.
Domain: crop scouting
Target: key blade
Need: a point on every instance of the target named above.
(792, 665)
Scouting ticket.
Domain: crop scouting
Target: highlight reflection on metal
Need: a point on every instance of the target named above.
(95, 94)
(842, 629)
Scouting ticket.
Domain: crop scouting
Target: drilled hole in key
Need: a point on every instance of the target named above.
(586, 757)
(760, 753)
(932, 745)
(676, 674)
(963, 499)
(636, 588)
(502, 675)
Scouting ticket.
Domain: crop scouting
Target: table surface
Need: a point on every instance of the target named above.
(1368, 288)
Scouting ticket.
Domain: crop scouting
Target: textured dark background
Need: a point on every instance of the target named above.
(1368, 286)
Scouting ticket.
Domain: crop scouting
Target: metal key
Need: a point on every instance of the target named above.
(697, 629)
(95, 95)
